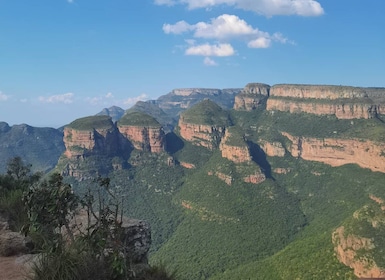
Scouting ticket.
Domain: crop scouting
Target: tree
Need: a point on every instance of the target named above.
(17, 169)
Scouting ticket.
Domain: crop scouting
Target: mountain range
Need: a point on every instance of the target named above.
(263, 182)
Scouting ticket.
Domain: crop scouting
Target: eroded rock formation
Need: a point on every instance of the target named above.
(273, 149)
(80, 143)
(203, 135)
(150, 139)
(342, 101)
(337, 152)
(251, 97)
(236, 149)
(362, 249)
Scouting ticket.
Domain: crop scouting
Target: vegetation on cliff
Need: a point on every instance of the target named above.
(207, 112)
(135, 118)
(91, 123)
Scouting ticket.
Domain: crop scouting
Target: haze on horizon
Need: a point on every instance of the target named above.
(65, 59)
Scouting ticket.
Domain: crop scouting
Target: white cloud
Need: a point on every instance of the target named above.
(225, 28)
(260, 43)
(70, 1)
(177, 28)
(264, 7)
(3, 97)
(211, 50)
(165, 2)
(66, 98)
(209, 62)
(133, 100)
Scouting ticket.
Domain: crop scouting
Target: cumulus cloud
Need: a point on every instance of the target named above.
(177, 28)
(3, 97)
(264, 7)
(133, 100)
(225, 28)
(66, 98)
(209, 62)
(260, 43)
(211, 50)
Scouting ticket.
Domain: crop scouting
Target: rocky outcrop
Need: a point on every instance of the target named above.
(341, 101)
(80, 143)
(234, 148)
(255, 178)
(150, 139)
(11, 243)
(342, 110)
(346, 248)
(281, 170)
(251, 97)
(224, 177)
(273, 149)
(362, 249)
(135, 237)
(203, 135)
(337, 152)
(187, 165)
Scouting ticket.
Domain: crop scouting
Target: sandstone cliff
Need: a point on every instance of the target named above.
(251, 97)
(149, 139)
(233, 146)
(336, 152)
(341, 101)
(201, 135)
(204, 124)
(273, 149)
(91, 135)
(143, 131)
(362, 249)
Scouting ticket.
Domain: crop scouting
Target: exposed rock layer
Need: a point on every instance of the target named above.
(149, 139)
(343, 102)
(201, 135)
(251, 97)
(236, 154)
(337, 152)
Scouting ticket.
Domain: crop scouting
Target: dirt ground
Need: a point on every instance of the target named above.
(13, 268)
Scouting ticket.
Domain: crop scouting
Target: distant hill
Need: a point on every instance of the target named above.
(114, 112)
(181, 99)
(40, 147)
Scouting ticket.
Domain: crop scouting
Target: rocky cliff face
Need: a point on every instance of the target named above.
(201, 135)
(343, 102)
(362, 250)
(80, 143)
(273, 149)
(251, 97)
(346, 248)
(235, 150)
(336, 152)
(150, 139)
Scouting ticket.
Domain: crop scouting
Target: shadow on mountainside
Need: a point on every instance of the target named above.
(259, 157)
(174, 143)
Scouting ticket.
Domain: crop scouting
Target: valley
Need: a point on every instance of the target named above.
(252, 183)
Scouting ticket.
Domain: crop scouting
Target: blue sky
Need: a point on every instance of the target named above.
(65, 59)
